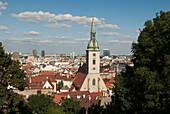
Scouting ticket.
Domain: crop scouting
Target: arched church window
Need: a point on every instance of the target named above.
(94, 62)
(93, 82)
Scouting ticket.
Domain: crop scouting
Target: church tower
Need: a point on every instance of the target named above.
(93, 82)
(89, 79)
(93, 52)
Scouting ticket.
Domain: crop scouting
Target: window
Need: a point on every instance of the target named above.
(93, 82)
(94, 62)
(39, 86)
(94, 54)
(30, 86)
(35, 86)
(94, 68)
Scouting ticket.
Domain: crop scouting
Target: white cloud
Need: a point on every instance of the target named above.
(7, 32)
(117, 41)
(84, 39)
(29, 41)
(47, 16)
(2, 5)
(102, 19)
(60, 37)
(0, 13)
(85, 26)
(3, 27)
(66, 42)
(110, 34)
(108, 26)
(34, 16)
(138, 31)
(58, 25)
(128, 37)
(83, 20)
(119, 35)
(31, 33)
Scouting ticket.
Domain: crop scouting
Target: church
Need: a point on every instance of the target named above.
(88, 76)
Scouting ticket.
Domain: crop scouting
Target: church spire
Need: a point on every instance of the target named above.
(93, 44)
(93, 26)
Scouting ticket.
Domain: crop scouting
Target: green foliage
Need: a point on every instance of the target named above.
(55, 110)
(11, 74)
(40, 103)
(95, 109)
(71, 107)
(107, 66)
(145, 88)
(11, 102)
(59, 85)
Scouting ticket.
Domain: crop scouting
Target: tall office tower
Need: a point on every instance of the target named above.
(34, 52)
(106, 52)
(42, 53)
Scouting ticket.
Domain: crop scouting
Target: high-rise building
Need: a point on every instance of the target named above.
(42, 53)
(106, 52)
(34, 52)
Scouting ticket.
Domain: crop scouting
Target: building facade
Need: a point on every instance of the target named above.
(106, 52)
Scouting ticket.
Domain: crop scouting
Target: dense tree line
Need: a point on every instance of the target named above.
(145, 88)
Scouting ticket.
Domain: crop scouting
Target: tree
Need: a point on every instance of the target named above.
(40, 103)
(11, 74)
(55, 110)
(70, 106)
(59, 85)
(95, 109)
(145, 88)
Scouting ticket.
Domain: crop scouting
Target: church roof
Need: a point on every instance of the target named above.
(80, 77)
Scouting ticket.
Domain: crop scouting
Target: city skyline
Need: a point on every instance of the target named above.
(64, 26)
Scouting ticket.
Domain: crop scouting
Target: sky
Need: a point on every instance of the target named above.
(63, 26)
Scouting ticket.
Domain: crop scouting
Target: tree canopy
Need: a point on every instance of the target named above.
(40, 103)
(10, 74)
(145, 88)
(72, 107)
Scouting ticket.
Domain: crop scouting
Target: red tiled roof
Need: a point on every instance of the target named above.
(58, 98)
(112, 79)
(80, 77)
(108, 85)
(74, 93)
(47, 73)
